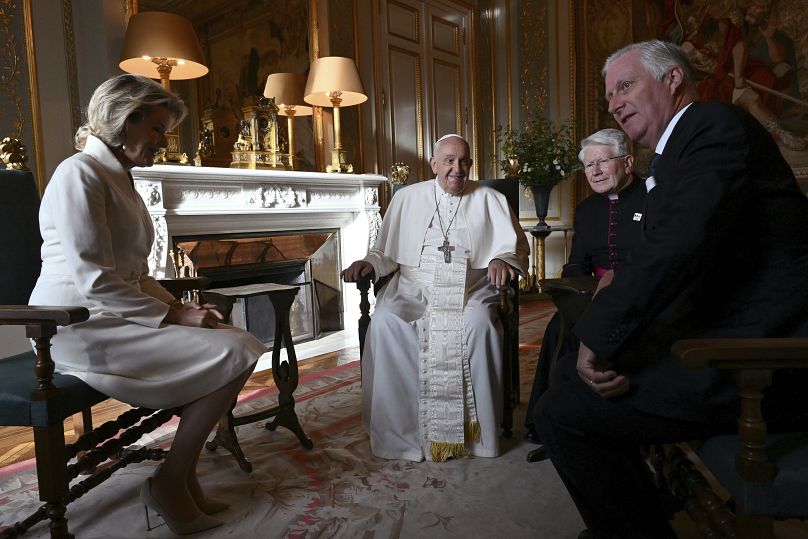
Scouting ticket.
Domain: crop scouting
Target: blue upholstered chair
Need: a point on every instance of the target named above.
(766, 475)
(31, 395)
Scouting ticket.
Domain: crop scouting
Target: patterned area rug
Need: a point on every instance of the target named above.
(534, 314)
(337, 489)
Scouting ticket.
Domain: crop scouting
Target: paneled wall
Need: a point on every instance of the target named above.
(424, 56)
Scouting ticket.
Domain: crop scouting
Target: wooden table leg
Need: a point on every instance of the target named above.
(227, 439)
(285, 375)
(286, 378)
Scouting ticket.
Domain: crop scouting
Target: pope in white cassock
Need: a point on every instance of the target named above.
(432, 364)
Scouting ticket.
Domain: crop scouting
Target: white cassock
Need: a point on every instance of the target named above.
(432, 364)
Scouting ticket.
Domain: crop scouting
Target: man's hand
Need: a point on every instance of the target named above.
(500, 273)
(597, 374)
(358, 269)
(193, 314)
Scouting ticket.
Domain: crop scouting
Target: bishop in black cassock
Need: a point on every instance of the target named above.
(607, 226)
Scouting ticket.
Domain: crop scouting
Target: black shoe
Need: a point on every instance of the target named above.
(538, 454)
(532, 436)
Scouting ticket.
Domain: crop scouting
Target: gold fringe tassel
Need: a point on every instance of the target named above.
(441, 451)
(472, 431)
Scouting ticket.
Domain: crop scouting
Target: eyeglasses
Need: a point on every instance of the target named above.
(600, 163)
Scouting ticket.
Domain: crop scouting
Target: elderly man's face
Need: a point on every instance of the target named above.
(451, 165)
(642, 105)
(606, 172)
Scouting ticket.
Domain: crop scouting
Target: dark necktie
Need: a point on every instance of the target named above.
(652, 164)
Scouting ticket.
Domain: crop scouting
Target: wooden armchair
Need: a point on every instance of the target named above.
(765, 475)
(508, 312)
(32, 395)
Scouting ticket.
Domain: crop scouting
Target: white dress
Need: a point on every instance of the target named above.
(97, 235)
(391, 381)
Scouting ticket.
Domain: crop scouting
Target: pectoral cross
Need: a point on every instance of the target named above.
(447, 251)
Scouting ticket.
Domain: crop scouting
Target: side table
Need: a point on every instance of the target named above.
(284, 374)
(533, 281)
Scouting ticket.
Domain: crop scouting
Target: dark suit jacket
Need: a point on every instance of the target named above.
(724, 253)
(605, 232)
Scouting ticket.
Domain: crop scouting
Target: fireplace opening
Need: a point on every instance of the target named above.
(308, 259)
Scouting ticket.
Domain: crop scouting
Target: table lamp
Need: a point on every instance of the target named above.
(334, 82)
(287, 89)
(163, 46)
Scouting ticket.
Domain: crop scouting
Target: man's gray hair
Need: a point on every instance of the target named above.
(657, 57)
(120, 97)
(613, 138)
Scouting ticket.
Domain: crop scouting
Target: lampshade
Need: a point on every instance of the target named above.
(156, 34)
(334, 74)
(287, 89)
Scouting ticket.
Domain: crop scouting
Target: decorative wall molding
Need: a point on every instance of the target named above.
(203, 193)
(282, 197)
(150, 193)
(19, 101)
(161, 246)
(372, 196)
(375, 226)
(70, 60)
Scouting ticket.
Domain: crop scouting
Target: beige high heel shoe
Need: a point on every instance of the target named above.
(201, 523)
(209, 506)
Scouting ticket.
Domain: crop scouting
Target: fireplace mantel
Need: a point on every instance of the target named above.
(186, 201)
(194, 201)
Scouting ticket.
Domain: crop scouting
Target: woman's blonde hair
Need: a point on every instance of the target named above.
(118, 99)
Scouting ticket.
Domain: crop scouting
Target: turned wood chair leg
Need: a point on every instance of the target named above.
(52, 476)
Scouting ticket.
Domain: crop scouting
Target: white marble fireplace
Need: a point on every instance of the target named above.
(186, 201)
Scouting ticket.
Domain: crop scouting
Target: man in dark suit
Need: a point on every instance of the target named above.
(607, 225)
(724, 253)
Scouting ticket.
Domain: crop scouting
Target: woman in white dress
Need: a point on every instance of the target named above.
(139, 345)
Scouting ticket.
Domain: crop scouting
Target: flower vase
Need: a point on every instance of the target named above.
(541, 198)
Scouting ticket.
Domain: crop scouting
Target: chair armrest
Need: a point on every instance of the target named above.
(364, 282)
(506, 295)
(753, 360)
(584, 284)
(21, 315)
(184, 284)
(571, 295)
(40, 325)
(760, 353)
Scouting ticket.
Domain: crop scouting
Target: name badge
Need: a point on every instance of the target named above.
(637, 216)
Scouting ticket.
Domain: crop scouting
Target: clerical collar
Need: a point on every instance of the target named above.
(440, 192)
(625, 190)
